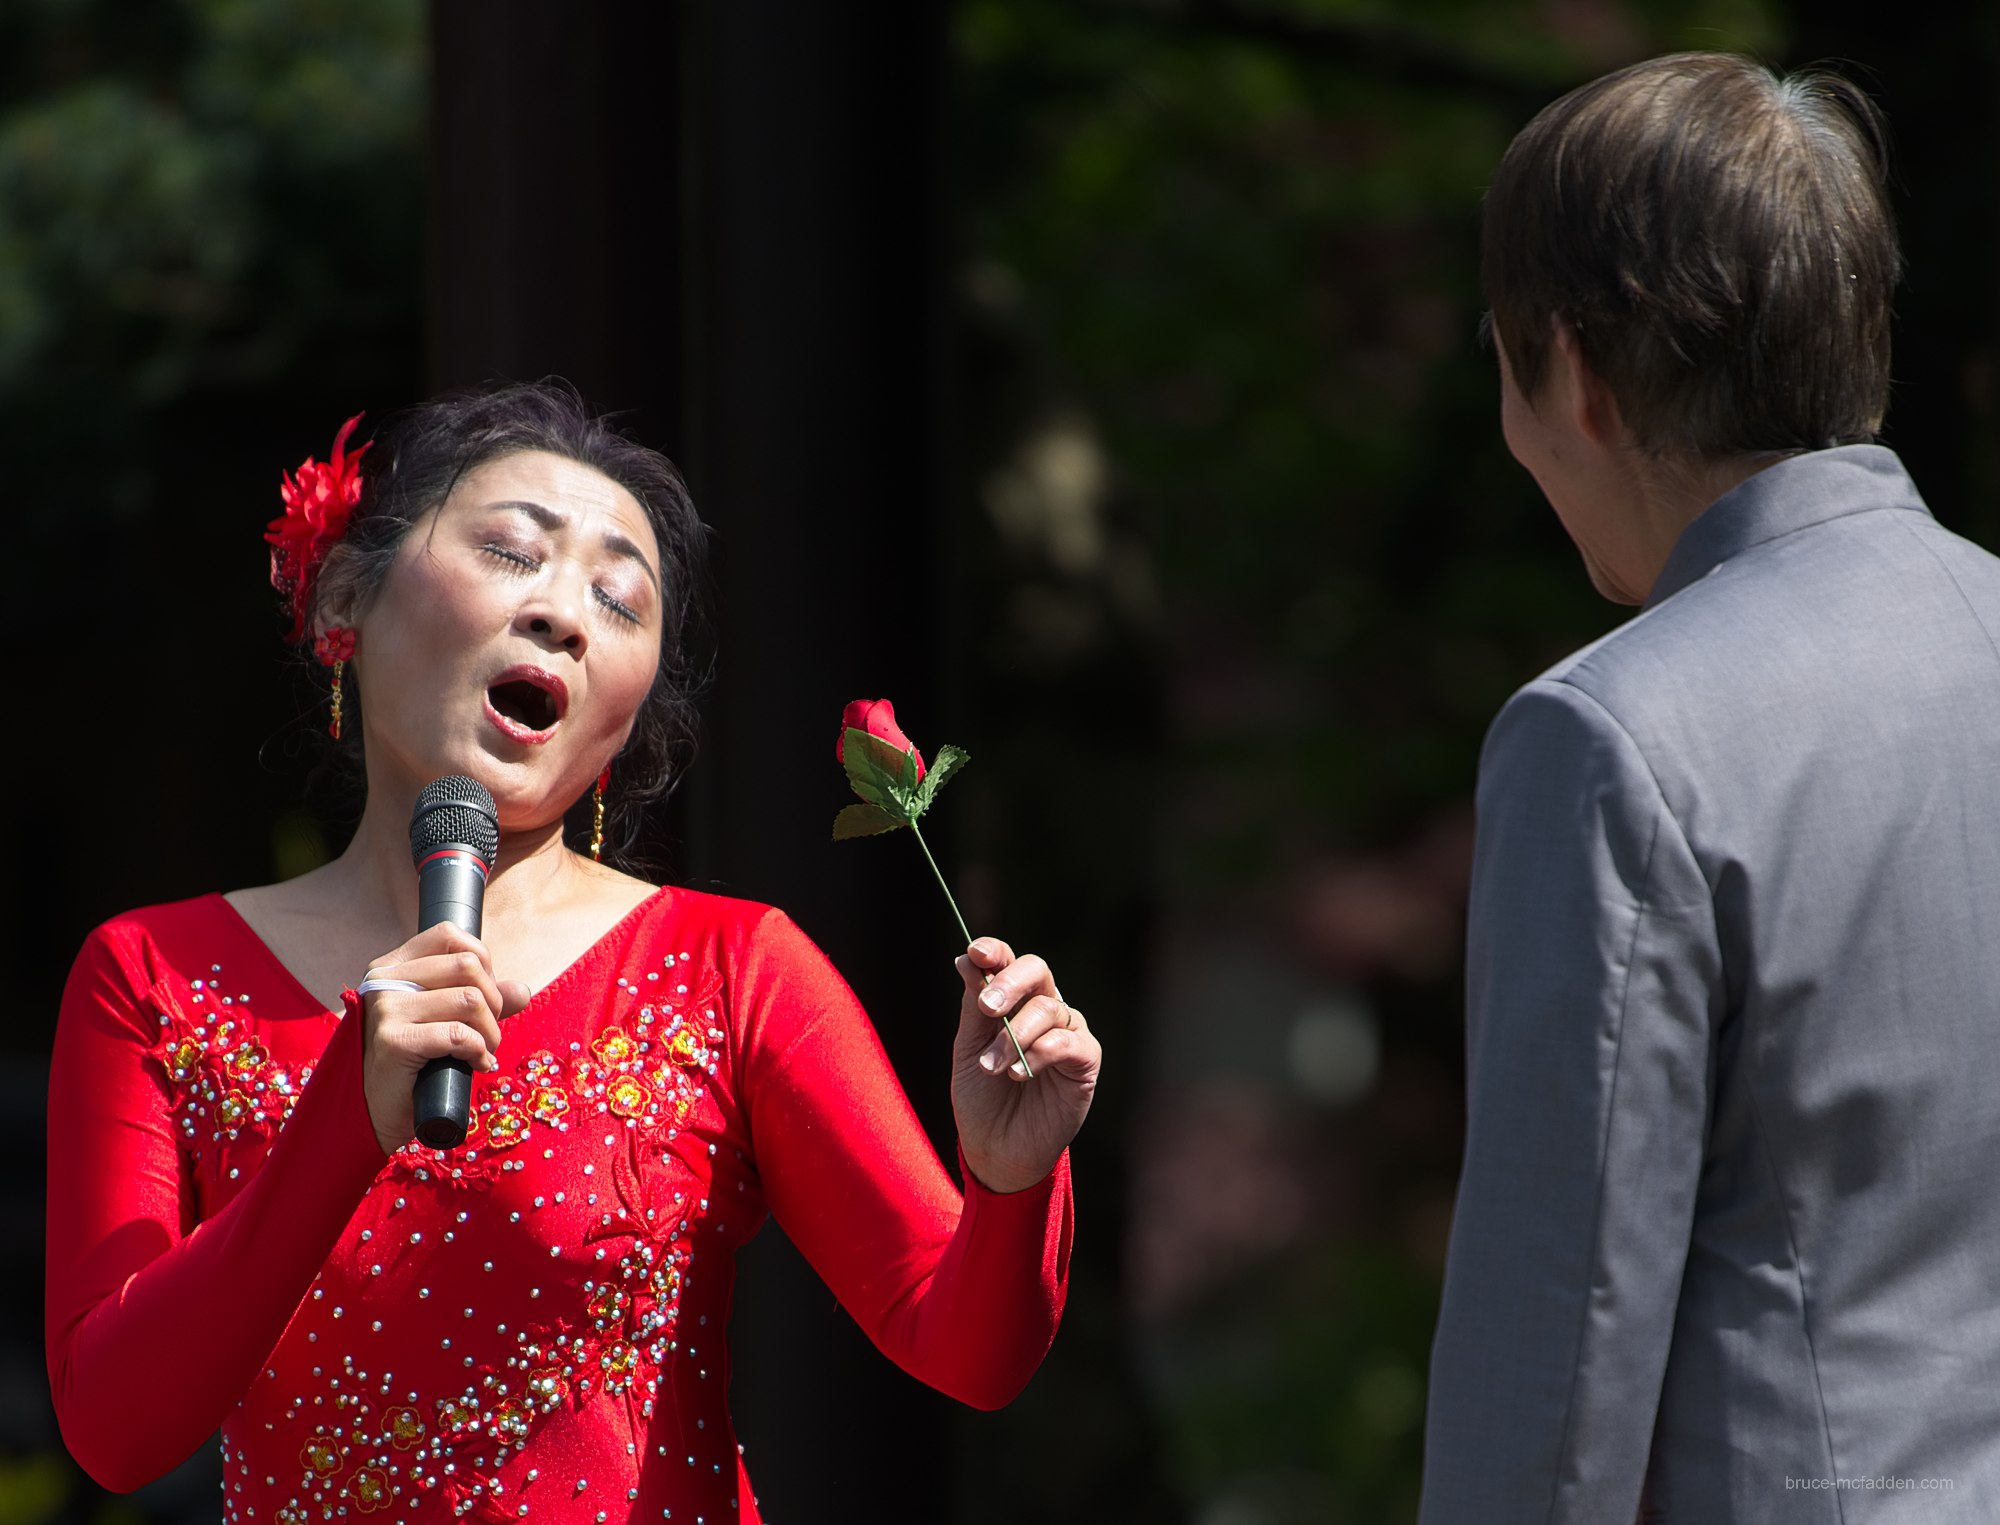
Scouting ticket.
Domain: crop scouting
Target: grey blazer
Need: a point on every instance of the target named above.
(1729, 1224)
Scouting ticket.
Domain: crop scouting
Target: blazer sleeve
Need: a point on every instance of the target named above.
(1594, 988)
(963, 1292)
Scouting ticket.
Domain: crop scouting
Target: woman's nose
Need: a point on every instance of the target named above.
(558, 632)
(554, 616)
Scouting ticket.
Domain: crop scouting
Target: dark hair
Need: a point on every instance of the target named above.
(416, 460)
(1720, 242)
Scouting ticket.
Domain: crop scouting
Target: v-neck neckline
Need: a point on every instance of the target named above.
(569, 971)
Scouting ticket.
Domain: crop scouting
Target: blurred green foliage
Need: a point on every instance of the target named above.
(1303, 1391)
(1240, 242)
(32, 1489)
(197, 200)
(192, 194)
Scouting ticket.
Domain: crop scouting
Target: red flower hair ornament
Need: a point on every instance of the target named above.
(318, 503)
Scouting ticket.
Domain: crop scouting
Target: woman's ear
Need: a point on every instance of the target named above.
(327, 619)
(334, 601)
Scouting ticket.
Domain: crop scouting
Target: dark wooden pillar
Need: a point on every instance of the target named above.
(817, 420)
(556, 225)
(728, 218)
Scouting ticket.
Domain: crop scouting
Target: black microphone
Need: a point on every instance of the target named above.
(454, 836)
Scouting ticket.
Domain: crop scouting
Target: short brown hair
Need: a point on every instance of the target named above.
(1720, 242)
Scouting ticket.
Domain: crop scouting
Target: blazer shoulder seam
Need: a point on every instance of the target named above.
(1652, 777)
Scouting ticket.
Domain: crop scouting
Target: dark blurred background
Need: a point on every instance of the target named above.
(1096, 379)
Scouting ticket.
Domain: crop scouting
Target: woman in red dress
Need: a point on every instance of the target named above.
(243, 1232)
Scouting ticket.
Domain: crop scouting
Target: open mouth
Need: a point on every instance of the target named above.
(527, 702)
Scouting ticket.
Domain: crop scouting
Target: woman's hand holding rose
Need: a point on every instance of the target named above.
(1013, 1128)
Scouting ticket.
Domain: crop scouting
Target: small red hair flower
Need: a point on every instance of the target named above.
(318, 504)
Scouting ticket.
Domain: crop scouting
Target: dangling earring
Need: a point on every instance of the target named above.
(597, 817)
(335, 649)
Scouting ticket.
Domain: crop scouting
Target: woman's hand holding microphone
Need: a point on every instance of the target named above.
(434, 997)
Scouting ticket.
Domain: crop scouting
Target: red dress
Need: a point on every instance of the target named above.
(530, 1326)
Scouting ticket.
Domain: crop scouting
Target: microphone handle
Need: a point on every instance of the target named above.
(451, 886)
(442, 1098)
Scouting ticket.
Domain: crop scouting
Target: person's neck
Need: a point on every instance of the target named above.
(1667, 495)
(531, 868)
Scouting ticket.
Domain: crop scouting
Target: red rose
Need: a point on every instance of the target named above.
(878, 718)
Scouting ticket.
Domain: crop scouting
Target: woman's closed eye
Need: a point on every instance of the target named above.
(617, 606)
(508, 554)
(522, 561)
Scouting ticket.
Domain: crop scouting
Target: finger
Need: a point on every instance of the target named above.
(444, 971)
(514, 996)
(1071, 1051)
(417, 1043)
(1024, 978)
(398, 1010)
(1034, 1035)
(989, 954)
(1041, 1015)
(445, 937)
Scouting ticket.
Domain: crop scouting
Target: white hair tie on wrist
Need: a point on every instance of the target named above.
(371, 986)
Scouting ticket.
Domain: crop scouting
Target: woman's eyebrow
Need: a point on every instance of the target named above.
(547, 518)
(618, 545)
(553, 519)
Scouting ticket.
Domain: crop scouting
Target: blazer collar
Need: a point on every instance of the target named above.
(1796, 493)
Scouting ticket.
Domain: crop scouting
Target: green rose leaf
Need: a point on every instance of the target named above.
(884, 776)
(948, 761)
(862, 821)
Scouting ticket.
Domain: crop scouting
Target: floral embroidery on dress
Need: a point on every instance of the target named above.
(640, 1078)
(223, 1077)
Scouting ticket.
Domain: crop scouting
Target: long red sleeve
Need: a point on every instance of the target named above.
(143, 1304)
(966, 1298)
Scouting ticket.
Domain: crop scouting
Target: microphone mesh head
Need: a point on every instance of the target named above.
(455, 811)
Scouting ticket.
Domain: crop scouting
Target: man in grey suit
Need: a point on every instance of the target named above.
(1728, 1233)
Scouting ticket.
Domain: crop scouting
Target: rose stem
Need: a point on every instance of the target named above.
(1027, 1068)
